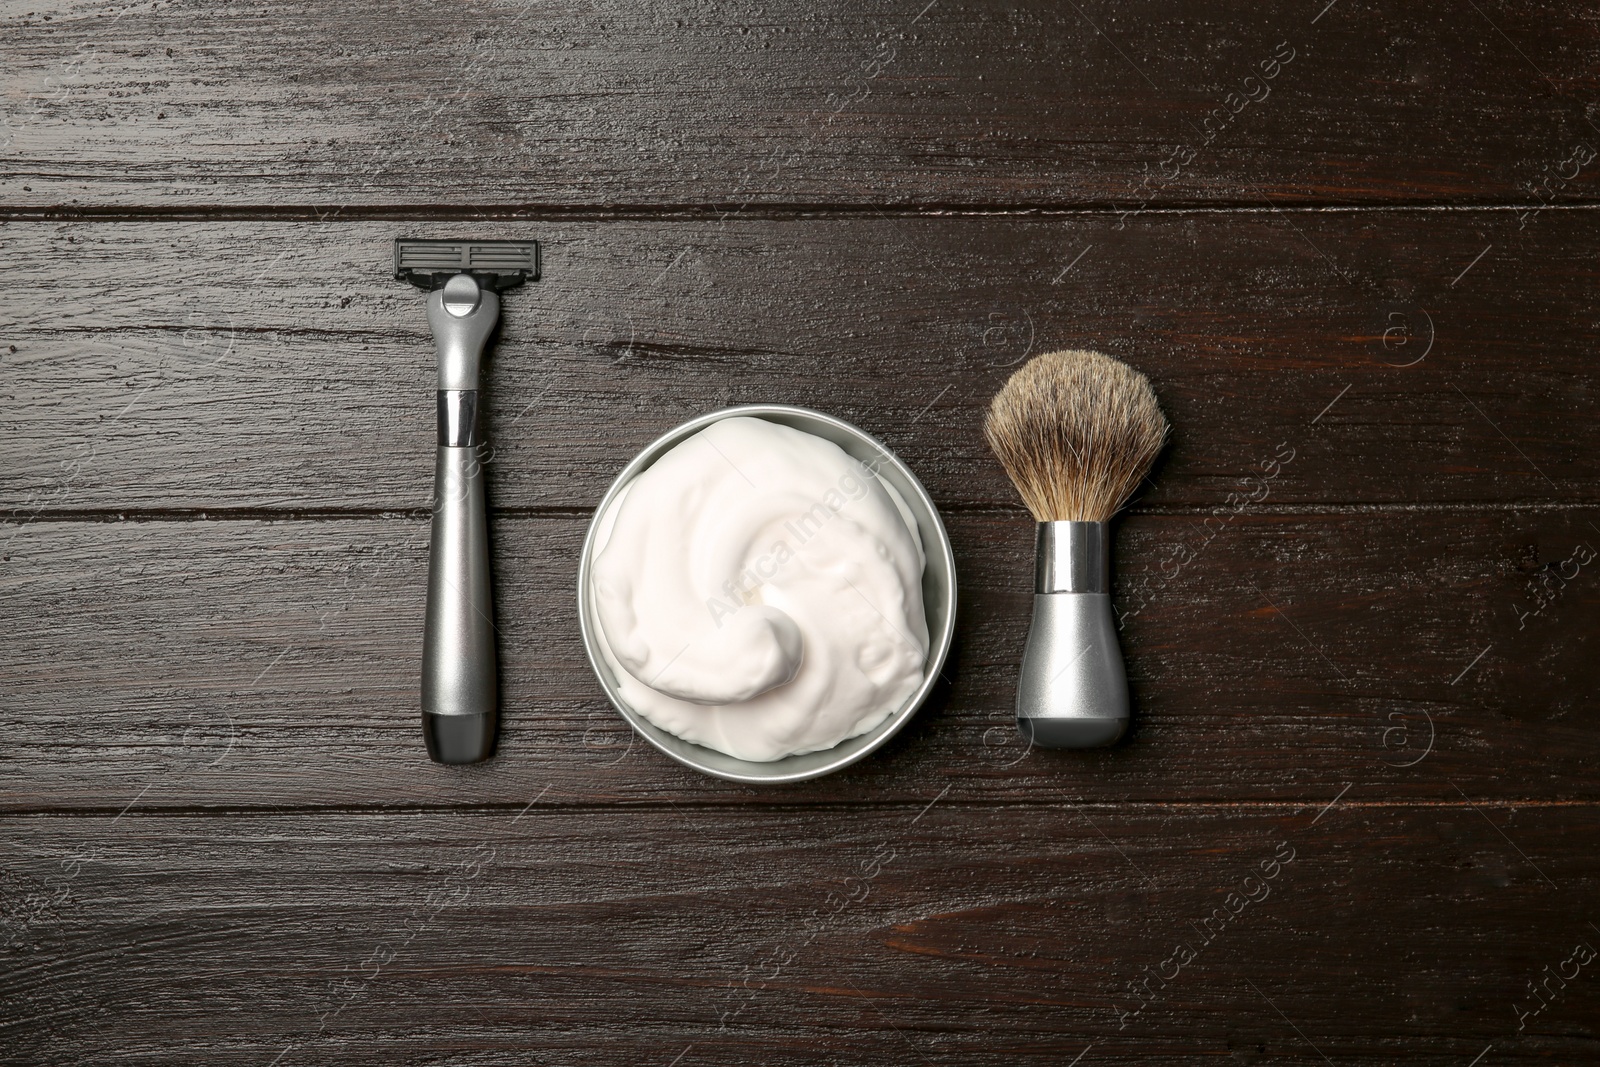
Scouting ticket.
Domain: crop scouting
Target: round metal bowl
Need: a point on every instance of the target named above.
(938, 594)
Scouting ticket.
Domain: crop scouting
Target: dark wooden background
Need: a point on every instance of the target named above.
(1354, 246)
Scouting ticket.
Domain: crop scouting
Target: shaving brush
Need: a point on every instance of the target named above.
(1077, 432)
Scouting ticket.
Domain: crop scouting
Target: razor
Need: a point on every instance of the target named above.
(463, 280)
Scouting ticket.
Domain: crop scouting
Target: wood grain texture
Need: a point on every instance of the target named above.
(1405, 357)
(253, 664)
(1354, 247)
(933, 932)
(182, 105)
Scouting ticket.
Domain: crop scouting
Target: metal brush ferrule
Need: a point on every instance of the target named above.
(1072, 557)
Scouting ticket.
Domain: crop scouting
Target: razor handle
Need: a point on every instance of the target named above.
(1073, 692)
(459, 688)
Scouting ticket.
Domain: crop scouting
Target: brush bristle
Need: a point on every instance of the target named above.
(1076, 431)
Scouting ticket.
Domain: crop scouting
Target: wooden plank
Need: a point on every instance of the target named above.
(1363, 932)
(1272, 656)
(1402, 357)
(519, 105)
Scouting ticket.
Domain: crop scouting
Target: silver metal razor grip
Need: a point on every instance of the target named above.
(458, 658)
(1073, 691)
(460, 693)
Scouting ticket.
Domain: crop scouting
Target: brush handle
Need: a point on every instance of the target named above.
(459, 690)
(1073, 691)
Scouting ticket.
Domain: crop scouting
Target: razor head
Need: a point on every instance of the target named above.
(497, 265)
